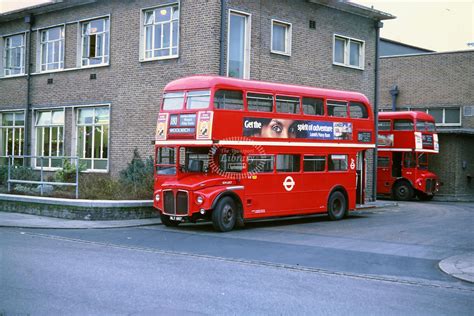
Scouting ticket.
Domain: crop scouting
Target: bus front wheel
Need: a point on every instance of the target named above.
(165, 219)
(403, 191)
(224, 215)
(337, 206)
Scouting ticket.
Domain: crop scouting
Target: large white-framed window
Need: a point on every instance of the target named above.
(160, 32)
(281, 37)
(12, 136)
(349, 52)
(49, 132)
(52, 48)
(92, 137)
(95, 42)
(238, 44)
(448, 116)
(14, 55)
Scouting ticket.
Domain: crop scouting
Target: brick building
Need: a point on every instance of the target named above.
(89, 73)
(442, 85)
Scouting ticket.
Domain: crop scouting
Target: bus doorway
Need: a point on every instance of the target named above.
(396, 164)
(360, 180)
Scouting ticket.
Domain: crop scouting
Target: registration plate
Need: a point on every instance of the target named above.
(176, 218)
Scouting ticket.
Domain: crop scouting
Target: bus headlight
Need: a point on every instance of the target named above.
(199, 200)
(157, 197)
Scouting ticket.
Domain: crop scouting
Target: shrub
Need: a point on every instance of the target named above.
(99, 187)
(68, 172)
(138, 176)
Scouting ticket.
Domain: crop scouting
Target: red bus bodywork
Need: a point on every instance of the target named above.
(405, 141)
(283, 186)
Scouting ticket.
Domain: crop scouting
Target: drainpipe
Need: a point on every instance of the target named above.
(394, 93)
(222, 71)
(26, 145)
(378, 25)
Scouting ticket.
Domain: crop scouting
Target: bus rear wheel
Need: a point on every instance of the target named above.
(337, 206)
(165, 219)
(403, 191)
(224, 215)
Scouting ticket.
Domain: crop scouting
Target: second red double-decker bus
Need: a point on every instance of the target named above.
(406, 139)
(230, 150)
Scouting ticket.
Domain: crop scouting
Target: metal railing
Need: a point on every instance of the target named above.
(42, 182)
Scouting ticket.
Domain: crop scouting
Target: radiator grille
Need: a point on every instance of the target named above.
(182, 203)
(168, 202)
(430, 185)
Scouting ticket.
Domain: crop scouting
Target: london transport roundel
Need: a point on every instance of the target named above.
(289, 183)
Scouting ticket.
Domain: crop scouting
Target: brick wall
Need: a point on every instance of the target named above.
(133, 88)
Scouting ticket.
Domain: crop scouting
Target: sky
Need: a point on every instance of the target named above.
(433, 24)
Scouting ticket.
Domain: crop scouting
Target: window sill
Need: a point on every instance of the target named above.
(13, 76)
(69, 69)
(347, 66)
(95, 171)
(276, 52)
(143, 60)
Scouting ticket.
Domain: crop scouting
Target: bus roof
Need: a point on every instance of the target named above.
(406, 115)
(209, 81)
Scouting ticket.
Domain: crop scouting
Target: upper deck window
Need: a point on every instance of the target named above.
(425, 126)
(173, 101)
(337, 108)
(384, 125)
(260, 102)
(402, 125)
(198, 99)
(313, 106)
(229, 100)
(288, 104)
(358, 110)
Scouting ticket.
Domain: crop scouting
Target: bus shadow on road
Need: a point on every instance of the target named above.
(274, 222)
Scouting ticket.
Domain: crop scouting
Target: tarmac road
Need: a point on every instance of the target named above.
(380, 261)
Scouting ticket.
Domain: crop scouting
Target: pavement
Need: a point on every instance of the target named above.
(459, 266)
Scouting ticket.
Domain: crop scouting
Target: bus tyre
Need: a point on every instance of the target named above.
(165, 219)
(224, 215)
(337, 206)
(424, 197)
(403, 191)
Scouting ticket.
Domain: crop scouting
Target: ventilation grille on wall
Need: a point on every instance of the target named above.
(312, 24)
(469, 110)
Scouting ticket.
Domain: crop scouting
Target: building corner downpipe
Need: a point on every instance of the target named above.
(222, 71)
(29, 20)
(378, 25)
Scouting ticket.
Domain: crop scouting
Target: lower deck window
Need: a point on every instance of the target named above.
(230, 160)
(194, 159)
(288, 163)
(260, 163)
(383, 162)
(337, 163)
(314, 163)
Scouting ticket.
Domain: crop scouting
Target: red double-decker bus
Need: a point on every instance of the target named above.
(231, 150)
(405, 142)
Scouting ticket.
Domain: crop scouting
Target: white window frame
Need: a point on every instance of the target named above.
(288, 37)
(444, 115)
(40, 48)
(105, 58)
(50, 126)
(7, 71)
(76, 137)
(143, 49)
(347, 42)
(14, 129)
(248, 35)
